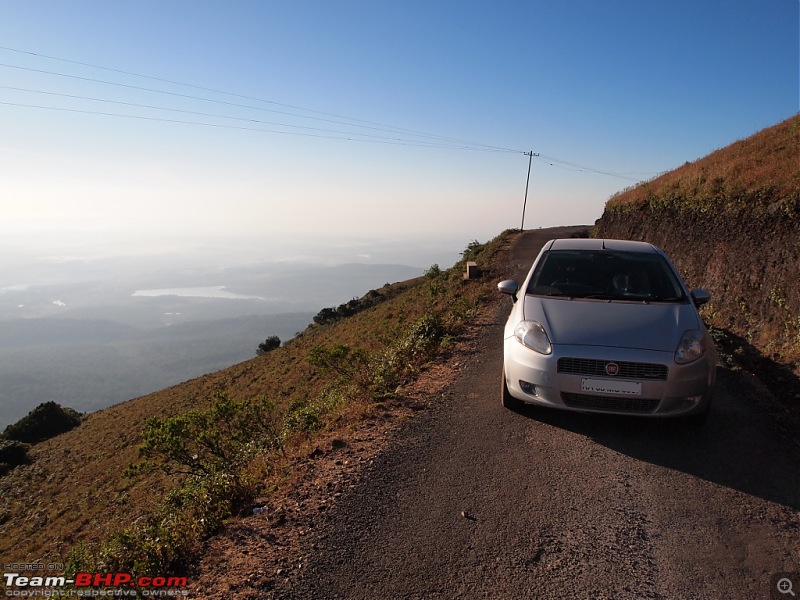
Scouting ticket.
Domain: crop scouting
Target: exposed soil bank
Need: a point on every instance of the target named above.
(750, 263)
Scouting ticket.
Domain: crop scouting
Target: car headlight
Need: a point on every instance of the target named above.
(532, 335)
(691, 347)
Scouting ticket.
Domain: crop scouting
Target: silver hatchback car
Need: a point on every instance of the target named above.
(607, 326)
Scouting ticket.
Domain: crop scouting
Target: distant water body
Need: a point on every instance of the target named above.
(218, 291)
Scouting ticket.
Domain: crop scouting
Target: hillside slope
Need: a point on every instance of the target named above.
(75, 496)
(731, 223)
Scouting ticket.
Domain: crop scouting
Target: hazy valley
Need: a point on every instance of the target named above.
(91, 333)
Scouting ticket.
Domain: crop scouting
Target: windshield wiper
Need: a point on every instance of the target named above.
(598, 296)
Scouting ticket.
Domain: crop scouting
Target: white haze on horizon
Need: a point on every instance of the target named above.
(60, 258)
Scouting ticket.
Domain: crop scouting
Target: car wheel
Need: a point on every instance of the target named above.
(506, 399)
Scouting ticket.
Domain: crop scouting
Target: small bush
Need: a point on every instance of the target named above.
(43, 422)
(348, 364)
(301, 417)
(326, 316)
(473, 249)
(169, 539)
(220, 450)
(433, 271)
(271, 343)
(402, 359)
(12, 454)
(359, 373)
(220, 439)
(331, 315)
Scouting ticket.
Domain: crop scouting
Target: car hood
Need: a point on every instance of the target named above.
(654, 326)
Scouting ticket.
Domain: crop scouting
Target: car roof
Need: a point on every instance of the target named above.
(601, 244)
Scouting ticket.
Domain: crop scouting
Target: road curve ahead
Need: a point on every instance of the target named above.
(474, 501)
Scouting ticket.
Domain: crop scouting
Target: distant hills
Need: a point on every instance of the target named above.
(91, 344)
(88, 365)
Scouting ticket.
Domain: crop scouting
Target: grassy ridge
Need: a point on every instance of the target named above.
(761, 172)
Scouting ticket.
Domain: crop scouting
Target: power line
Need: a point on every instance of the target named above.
(220, 116)
(259, 108)
(387, 141)
(353, 121)
(216, 91)
(437, 141)
(575, 167)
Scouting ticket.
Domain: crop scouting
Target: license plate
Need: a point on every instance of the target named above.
(611, 386)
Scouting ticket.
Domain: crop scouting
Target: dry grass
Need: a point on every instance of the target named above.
(764, 169)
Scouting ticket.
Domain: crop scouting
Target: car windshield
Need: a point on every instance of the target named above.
(606, 275)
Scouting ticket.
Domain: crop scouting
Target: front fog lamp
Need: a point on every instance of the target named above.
(533, 335)
(691, 347)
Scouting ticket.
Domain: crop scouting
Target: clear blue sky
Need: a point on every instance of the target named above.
(608, 93)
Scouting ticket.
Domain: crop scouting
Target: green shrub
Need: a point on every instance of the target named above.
(220, 439)
(169, 539)
(300, 416)
(433, 271)
(331, 315)
(403, 358)
(12, 454)
(326, 316)
(43, 422)
(348, 364)
(216, 448)
(271, 343)
(473, 249)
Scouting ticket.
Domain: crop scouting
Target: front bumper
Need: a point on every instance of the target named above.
(535, 378)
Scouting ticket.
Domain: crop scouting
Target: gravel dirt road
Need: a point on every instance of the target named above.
(474, 501)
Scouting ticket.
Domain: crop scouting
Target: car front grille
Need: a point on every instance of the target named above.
(627, 370)
(610, 404)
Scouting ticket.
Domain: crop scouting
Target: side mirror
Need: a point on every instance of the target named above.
(700, 297)
(510, 287)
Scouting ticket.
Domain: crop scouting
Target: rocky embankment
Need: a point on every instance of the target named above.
(749, 262)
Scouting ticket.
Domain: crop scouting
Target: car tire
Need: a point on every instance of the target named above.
(506, 399)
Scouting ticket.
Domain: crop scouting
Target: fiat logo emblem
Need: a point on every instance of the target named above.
(612, 368)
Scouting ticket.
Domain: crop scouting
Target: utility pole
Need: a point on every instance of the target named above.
(530, 156)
